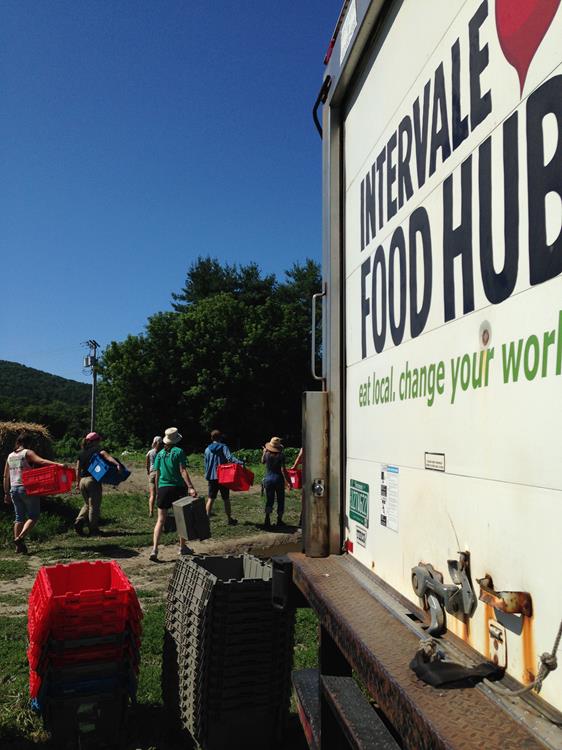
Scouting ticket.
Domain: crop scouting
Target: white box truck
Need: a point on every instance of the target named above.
(433, 458)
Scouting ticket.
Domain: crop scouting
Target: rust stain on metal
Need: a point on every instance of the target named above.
(488, 615)
(379, 648)
(511, 602)
(465, 628)
(529, 652)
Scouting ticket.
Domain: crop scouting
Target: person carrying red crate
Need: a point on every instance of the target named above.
(27, 508)
(217, 453)
(90, 488)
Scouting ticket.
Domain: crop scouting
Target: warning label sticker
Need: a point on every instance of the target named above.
(389, 497)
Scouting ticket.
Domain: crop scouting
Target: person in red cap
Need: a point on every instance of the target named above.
(90, 488)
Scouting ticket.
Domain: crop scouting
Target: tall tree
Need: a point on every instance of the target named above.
(206, 277)
(236, 359)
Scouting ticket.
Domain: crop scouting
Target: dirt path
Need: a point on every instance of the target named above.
(148, 577)
(152, 578)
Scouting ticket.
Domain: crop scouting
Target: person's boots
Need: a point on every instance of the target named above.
(280, 523)
(267, 522)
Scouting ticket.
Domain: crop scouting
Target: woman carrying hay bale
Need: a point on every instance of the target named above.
(27, 507)
(90, 488)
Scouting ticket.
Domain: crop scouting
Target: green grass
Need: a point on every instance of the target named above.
(306, 640)
(18, 725)
(126, 527)
(149, 689)
(10, 569)
(13, 599)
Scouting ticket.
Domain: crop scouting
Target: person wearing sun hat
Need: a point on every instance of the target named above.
(171, 480)
(90, 488)
(275, 480)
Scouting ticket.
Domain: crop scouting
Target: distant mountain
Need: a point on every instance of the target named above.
(32, 395)
(18, 382)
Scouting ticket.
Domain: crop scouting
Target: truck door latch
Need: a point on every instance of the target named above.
(457, 598)
(318, 487)
(512, 602)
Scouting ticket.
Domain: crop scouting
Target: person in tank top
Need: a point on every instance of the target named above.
(27, 508)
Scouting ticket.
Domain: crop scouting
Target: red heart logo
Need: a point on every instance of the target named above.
(521, 26)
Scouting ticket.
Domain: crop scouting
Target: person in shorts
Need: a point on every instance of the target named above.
(150, 458)
(27, 507)
(218, 453)
(171, 481)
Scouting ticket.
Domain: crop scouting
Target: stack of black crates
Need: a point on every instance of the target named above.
(227, 653)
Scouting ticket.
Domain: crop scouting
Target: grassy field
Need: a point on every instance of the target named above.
(127, 529)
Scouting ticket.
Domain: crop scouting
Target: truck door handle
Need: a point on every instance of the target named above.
(313, 336)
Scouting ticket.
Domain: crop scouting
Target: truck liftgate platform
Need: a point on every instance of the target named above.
(366, 631)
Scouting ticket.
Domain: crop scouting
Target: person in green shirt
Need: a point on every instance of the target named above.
(171, 481)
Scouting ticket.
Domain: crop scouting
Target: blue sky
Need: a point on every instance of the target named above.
(136, 135)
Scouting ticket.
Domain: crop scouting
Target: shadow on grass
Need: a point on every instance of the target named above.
(109, 533)
(103, 550)
(14, 741)
(62, 510)
(152, 727)
(284, 528)
(147, 726)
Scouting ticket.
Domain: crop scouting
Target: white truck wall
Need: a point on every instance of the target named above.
(498, 440)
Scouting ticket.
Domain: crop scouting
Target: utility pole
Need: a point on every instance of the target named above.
(91, 362)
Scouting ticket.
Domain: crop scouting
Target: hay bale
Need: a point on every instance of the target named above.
(41, 439)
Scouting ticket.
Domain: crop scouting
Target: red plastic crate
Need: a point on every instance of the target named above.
(295, 477)
(95, 598)
(48, 480)
(235, 476)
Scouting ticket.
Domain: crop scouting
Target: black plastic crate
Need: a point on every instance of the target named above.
(99, 717)
(228, 652)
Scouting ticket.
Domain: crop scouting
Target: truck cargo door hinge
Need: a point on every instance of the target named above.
(457, 598)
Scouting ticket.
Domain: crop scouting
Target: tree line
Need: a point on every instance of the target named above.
(30, 395)
(233, 353)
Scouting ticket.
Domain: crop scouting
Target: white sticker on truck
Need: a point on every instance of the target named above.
(389, 497)
(349, 26)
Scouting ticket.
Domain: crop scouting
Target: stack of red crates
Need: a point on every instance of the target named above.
(84, 626)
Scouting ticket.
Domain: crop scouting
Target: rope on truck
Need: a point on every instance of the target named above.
(547, 664)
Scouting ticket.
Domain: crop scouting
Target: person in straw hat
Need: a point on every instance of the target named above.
(171, 480)
(275, 480)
